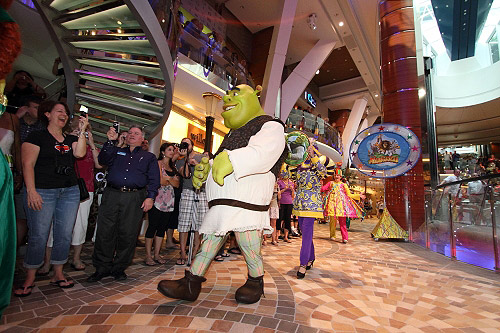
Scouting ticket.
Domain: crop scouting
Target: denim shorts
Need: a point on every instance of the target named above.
(59, 208)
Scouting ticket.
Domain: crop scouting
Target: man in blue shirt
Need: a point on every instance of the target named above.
(133, 182)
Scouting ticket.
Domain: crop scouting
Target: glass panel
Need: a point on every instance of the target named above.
(135, 87)
(419, 235)
(118, 17)
(153, 72)
(472, 226)
(439, 225)
(141, 47)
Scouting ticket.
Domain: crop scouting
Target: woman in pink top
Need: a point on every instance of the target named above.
(286, 194)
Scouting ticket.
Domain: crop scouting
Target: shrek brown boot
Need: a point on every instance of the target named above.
(188, 288)
(251, 291)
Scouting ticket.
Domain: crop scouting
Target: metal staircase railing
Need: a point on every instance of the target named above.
(116, 61)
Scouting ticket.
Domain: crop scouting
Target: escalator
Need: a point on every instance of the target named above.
(116, 61)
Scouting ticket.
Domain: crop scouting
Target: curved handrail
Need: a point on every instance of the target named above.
(462, 181)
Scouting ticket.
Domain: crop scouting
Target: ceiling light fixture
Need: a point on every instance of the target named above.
(189, 106)
(317, 72)
(311, 20)
(341, 24)
(376, 95)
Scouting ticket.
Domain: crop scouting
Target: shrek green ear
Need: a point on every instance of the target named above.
(258, 90)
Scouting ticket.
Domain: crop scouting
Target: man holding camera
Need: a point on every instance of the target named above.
(133, 181)
(193, 204)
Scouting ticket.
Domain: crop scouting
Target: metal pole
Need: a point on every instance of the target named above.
(208, 136)
(427, 236)
(494, 227)
(192, 231)
(453, 249)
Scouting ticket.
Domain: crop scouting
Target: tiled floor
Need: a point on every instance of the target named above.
(362, 286)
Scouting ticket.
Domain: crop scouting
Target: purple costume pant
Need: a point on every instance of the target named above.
(306, 225)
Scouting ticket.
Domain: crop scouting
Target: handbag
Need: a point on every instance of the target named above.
(165, 199)
(84, 193)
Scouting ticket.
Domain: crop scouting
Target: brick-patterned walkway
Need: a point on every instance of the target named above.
(362, 286)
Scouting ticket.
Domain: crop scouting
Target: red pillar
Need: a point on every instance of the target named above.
(401, 105)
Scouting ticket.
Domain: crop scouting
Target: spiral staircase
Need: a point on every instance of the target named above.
(116, 61)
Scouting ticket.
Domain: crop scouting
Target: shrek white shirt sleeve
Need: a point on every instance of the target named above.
(262, 152)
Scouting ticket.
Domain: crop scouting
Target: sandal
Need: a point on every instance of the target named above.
(218, 258)
(225, 255)
(150, 262)
(234, 250)
(160, 261)
(180, 261)
(59, 283)
(80, 267)
(24, 289)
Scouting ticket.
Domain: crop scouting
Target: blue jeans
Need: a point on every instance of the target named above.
(59, 207)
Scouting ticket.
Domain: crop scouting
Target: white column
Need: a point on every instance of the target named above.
(362, 126)
(277, 55)
(302, 74)
(352, 126)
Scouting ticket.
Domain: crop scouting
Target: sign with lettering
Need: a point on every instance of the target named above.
(385, 150)
(197, 135)
(310, 99)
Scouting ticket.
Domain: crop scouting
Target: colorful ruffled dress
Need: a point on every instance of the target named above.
(340, 201)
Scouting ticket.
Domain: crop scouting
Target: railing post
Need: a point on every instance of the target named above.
(494, 227)
(453, 248)
(427, 236)
(408, 215)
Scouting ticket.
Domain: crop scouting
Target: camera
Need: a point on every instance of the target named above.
(116, 126)
(182, 145)
(63, 170)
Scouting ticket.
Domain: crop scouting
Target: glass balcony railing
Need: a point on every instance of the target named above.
(461, 221)
(314, 127)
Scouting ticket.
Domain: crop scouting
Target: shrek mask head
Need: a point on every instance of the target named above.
(241, 105)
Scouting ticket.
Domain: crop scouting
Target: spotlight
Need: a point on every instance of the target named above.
(311, 20)
(317, 72)
(341, 24)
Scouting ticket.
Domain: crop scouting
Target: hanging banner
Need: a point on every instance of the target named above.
(385, 150)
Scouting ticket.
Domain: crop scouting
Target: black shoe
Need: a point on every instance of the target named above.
(97, 276)
(301, 275)
(251, 291)
(120, 276)
(310, 265)
(188, 288)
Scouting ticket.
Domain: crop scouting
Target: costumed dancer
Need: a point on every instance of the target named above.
(239, 189)
(10, 39)
(340, 204)
(307, 205)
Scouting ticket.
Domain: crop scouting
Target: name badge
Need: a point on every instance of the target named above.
(121, 153)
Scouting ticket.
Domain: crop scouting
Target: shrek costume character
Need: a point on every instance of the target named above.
(239, 188)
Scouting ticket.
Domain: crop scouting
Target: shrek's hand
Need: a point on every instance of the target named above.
(200, 173)
(221, 168)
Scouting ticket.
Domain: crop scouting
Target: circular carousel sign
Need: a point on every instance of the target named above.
(385, 150)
